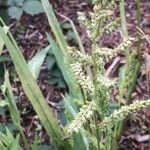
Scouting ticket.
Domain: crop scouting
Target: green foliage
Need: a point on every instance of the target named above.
(122, 113)
(63, 64)
(32, 7)
(1, 40)
(10, 99)
(7, 141)
(32, 90)
(55, 74)
(61, 53)
(86, 111)
(11, 126)
(88, 105)
(17, 7)
(3, 103)
(36, 62)
(15, 12)
(66, 26)
(45, 147)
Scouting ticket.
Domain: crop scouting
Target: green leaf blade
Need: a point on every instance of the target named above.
(11, 102)
(1, 40)
(73, 86)
(36, 62)
(32, 7)
(15, 12)
(32, 90)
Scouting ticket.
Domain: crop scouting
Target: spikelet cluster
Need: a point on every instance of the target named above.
(111, 27)
(79, 57)
(103, 94)
(124, 45)
(98, 89)
(101, 15)
(86, 111)
(103, 55)
(122, 113)
(83, 80)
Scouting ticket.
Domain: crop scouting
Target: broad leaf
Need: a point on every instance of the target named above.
(19, 2)
(10, 2)
(15, 12)
(32, 7)
(50, 61)
(36, 62)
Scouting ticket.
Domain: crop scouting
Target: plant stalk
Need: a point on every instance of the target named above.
(97, 130)
(120, 126)
(123, 23)
(138, 25)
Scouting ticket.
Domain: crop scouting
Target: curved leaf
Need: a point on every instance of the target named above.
(36, 62)
(33, 92)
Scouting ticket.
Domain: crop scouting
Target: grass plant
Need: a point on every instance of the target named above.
(88, 101)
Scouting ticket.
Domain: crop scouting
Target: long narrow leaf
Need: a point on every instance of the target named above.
(11, 102)
(1, 40)
(72, 84)
(32, 90)
(61, 51)
(55, 25)
(7, 141)
(9, 96)
(15, 144)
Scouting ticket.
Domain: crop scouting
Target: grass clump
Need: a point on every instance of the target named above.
(88, 103)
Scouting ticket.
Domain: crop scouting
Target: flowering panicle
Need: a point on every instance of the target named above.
(124, 45)
(105, 54)
(97, 89)
(84, 22)
(101, 15)
(103, 94)
(86, 111)
(97, 22)
(97, 26)
(111, 27)
(80, 57)
(104, 3)
(83, 81)
(122, 113)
